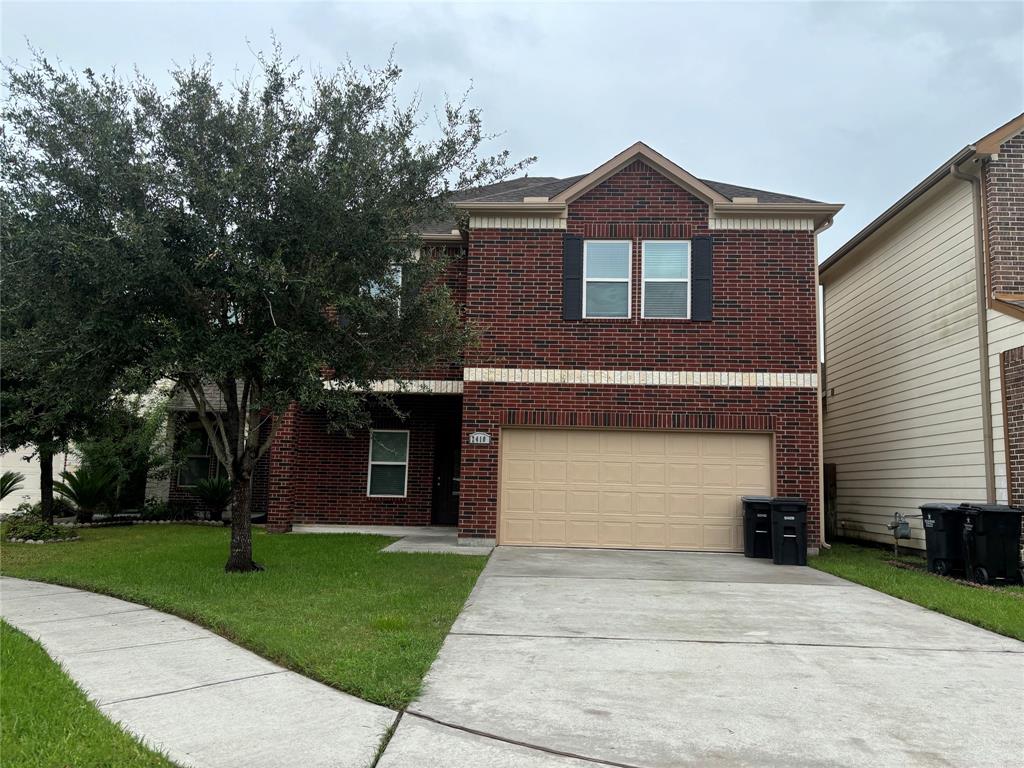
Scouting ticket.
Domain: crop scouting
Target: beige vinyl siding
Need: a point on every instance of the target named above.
(903, 420)
(25, 462)
(1004, 333)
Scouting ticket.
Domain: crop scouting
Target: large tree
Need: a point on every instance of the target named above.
(260, 232)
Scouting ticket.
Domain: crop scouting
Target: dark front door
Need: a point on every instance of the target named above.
(447, 463)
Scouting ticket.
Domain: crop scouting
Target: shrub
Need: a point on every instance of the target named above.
(88, 488)
(215, 493)
(29, 526)
(10, 482)
(158, 509)
(61, 508)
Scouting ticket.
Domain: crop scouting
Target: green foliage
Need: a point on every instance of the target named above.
(89, 488)
(158, 509)
(130, 444)
(10, 482)
(334, 608)
(215, 493)
(231, 239)
(61, 508)
(1000, 610)
(49, 721)
(32, 527)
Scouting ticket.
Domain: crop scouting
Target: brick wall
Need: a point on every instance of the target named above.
(183, 495)
(789, 413)
(764, 285)
(1004, 209)
(320, 476)
(1013, 408)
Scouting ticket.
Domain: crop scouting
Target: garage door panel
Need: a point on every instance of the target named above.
(683, 475)
(584, 472)
(615, 503)
(609, 488)
(717, 475)
(550, 531)
(752, 476)
(651, 504)
(616, 473)
(649, 535)
(616, 533)
(720, 537)
(553, 471)
(650, 473)
(583, 502)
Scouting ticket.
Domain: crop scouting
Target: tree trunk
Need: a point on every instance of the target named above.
(240, 559)
(46, 484)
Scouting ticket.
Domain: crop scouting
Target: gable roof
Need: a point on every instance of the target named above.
(985, 146)
(553, 193)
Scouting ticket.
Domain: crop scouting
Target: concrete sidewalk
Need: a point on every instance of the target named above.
(190, 693)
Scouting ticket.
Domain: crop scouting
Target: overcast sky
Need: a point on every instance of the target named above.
(841, 102)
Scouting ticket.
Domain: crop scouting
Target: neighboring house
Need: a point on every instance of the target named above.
(26, 462)
(924, 327)
(647, 354)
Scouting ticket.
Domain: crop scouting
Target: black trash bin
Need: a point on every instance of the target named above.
(757, 526)
(944, 537)
(789, 531)
(992, 543)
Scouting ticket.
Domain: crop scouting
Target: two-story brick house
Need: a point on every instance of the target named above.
(647, 354)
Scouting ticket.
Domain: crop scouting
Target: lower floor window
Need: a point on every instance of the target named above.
(389, 462)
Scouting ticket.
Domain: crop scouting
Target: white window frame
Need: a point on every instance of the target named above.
(644, 280)
(371, 462)
(628, 280)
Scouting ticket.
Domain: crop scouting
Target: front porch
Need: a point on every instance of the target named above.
(402, 471)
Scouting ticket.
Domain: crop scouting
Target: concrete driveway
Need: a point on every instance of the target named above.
(581, 657)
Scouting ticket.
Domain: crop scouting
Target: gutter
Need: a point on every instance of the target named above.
(974, 180)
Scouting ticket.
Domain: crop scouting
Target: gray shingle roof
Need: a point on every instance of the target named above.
(514, 190)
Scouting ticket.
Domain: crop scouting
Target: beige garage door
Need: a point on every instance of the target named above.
(643, 490)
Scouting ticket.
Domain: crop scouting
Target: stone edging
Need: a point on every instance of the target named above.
(42, 541)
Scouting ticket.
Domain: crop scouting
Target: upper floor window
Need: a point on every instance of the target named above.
(665, 287)
(606, 278)
(393, 283)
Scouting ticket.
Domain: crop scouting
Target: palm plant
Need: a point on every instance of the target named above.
(88, 488)
(9, 483)
(215, 493)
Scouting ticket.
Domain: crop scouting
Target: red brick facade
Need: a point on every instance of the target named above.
(1013, 408)
(511, 283)
(1004, 212)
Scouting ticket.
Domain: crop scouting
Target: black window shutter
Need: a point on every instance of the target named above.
(700, 275)
(572, 278)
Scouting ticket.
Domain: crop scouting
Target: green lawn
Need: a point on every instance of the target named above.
(329, 606)
(998, 609)
(47, 720)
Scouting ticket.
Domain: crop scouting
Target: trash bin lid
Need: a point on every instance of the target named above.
(940, 506)
(1001, 509)
(765, 499)
(788, 500)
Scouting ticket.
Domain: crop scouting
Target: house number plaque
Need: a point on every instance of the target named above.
(479, 438)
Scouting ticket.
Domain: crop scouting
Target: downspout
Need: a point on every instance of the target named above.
(819, 349)
(982, 301)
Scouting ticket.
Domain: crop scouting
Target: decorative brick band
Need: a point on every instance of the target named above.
(411, 386)
(769, 223)
(739, 422)
(517, 222)
(641, 378)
